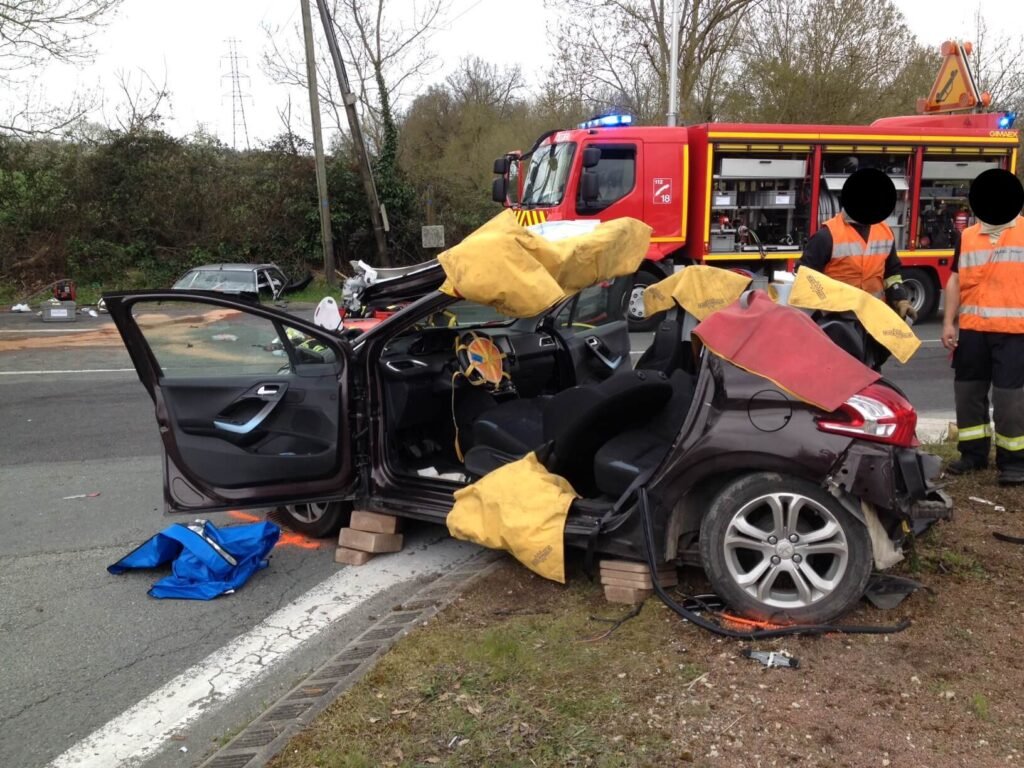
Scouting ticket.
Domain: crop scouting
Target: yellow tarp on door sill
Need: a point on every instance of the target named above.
(520, 508)
(521, 274)
(813, 290)
(699, 289)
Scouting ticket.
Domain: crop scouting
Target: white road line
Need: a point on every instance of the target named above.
(48, 330)
(141, 731)
(80, 370)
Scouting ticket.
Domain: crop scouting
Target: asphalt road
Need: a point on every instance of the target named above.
(81, 646)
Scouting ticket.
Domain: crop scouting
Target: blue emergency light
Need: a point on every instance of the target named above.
(1006, 121)
(607, 121)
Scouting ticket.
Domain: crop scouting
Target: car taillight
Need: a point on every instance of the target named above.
(875, 413)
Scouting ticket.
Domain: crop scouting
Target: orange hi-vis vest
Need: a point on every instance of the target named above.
(992, 280)
(855, 262)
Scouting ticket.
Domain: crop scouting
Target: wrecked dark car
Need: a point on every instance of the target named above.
(264, 282)
(788, 508)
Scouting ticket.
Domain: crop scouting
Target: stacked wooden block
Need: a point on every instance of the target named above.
(368, 534)
(630, 582)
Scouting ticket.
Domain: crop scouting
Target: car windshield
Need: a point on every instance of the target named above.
(228, 280)
(548, 174)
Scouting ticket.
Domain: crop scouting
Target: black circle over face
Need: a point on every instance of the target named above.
(996, 196)
(868, 196)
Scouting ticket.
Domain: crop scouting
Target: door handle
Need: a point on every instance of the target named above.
(248, 426)
(599, 348)
(268, 389)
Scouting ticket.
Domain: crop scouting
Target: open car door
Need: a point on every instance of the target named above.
(251, 402)
(595, 330)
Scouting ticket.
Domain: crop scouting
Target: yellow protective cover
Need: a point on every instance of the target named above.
(813, 290)
(520, 508)
(521, 274)
(699, 289)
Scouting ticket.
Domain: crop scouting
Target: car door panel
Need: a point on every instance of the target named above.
(246, 418)
(596, 333)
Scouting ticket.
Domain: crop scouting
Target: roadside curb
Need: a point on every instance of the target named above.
(268, 734)
(933, 430)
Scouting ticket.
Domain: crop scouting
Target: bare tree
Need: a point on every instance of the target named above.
(385, 46)
(617, 52)
(828, 61)
(34, 33)
(476, 81)
(997, 59)
(141, 103)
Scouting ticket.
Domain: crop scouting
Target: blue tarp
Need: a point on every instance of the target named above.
(206, 562)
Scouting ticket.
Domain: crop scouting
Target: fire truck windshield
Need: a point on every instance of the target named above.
(548, 174)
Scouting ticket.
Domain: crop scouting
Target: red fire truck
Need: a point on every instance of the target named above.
(703, 188)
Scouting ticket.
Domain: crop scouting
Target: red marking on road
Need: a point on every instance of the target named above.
(288, 538)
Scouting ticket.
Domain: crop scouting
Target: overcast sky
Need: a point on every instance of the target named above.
(186, 39)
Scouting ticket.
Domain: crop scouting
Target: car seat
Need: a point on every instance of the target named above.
(623, 458)
(571, 425)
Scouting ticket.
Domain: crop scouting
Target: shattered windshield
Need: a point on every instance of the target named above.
(548, 174)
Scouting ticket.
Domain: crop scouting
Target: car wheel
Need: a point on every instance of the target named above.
(779, 548)
(922, 292)
(634, 301)
(317, 519)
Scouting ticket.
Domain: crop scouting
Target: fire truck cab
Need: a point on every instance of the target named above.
(704, 188)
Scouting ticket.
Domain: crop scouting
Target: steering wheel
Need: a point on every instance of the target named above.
(481, 363)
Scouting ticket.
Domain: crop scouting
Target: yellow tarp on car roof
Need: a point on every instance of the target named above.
(521, 274)
(699, 289)
(520, 508)
(813, 290)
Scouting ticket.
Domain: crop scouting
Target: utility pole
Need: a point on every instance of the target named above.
(318, 149)
(377, 215)
(673, 68)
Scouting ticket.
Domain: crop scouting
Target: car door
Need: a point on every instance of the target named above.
(251, 402)
(595, 330)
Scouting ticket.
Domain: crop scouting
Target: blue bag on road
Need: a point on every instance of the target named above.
(206, 562)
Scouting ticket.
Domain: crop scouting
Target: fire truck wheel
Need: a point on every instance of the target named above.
(922, 291)
(634, 304)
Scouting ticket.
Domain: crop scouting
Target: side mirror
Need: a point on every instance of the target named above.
(591, 157)
(501, 165)
(589, 187)
(499, 189)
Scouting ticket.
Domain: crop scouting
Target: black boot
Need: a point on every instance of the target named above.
(965, 465)
(1011, 477)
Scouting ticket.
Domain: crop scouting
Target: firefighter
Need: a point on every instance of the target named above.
(856, 246)
(985, 294)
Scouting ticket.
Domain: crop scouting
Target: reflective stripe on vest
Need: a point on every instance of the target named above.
(856, 262)
(992, 280)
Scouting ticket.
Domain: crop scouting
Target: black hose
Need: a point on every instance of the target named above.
(758, 634)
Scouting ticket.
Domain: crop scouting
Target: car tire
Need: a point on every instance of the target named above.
(922, 292)
(317, 520)
(754, 564)
(633, 303)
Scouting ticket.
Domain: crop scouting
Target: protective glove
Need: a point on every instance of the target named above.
(904, 310)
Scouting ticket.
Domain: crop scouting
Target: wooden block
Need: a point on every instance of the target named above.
(374, 523)
(627, 595)
(347, 556)
(366, 541)
(631, 566)
(618, 579)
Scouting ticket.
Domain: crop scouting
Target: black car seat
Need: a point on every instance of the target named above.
(623, 458)
(667, 351)
(572, 424)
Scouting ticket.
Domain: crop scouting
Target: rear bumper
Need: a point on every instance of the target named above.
(899, 480)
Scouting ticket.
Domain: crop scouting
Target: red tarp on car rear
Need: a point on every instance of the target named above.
(785, 346)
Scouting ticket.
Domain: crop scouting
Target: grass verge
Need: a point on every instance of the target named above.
(516, 680)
